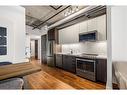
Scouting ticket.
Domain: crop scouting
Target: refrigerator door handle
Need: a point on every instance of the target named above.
(50, 49)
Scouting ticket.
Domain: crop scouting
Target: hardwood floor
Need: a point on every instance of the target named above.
(54, 78)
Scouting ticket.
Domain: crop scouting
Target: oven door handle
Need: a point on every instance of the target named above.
(77, 59)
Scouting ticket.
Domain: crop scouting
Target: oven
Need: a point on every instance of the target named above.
(86, 68)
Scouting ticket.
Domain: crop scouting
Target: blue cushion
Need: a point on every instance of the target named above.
(5, 63)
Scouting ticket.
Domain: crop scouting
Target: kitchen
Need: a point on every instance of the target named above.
(78, 45)
(68, 47)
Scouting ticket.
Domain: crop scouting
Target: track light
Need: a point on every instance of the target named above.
(71, 10)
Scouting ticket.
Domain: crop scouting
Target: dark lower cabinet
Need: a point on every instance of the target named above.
(69, 63)
(101, 70)
(59, 60)
(65, 62)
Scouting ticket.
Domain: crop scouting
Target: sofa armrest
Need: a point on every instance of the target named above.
(13, 83)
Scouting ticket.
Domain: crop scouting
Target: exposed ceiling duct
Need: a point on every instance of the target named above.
(89, 12)
(39, 16)
(98, 11)
(72, 16)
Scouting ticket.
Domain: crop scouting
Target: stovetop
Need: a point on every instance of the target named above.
(89, 54)
(86, 55)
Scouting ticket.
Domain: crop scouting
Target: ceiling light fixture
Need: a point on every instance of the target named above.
(71, 10)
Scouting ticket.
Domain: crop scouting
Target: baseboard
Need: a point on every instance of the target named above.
(20, 61)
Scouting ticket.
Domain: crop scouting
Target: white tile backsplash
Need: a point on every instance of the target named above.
(87, 47)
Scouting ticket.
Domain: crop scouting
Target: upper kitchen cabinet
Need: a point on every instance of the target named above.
(63, 36)
(99, 24)
(74, 33)
(83, 27)
(92, 24)
(101, 28)
(69, 34)
(53, 35)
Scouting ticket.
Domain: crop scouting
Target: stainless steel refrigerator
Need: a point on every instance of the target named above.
(50, 53)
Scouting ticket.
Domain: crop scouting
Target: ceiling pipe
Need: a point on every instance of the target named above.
(71, 16)
(52, 17)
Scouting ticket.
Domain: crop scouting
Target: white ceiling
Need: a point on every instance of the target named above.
(39, 14)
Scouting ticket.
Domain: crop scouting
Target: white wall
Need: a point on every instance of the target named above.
(119, 33)
(32, 48)
(87, 47)
(27, 46)
(109, 50)
(34, 37)
(13, 17)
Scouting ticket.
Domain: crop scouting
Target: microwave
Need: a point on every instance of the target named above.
(88, 36)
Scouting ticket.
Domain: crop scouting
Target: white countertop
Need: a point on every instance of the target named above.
(102, 56)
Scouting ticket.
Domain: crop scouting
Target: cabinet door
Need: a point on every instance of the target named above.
(51, 34)
(65, 62)
(69, 63)
(101, 27)
(59, 60)
(92, 24)
(61, 36)
(72, 64)
(64, 36)
(83, 27)
(73, 33)
(101, 70)
(69, 34)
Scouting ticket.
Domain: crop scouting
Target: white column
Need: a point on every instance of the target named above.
(117, 38)
(109, 50)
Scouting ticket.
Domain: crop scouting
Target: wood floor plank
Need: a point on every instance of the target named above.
(54, 78)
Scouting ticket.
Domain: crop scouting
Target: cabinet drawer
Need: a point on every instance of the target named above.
(101, 70)
(69, 63)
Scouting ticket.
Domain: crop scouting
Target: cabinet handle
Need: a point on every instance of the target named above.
(73, 60)
(73, 64)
